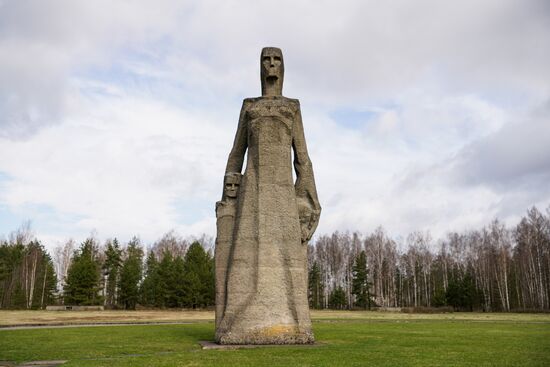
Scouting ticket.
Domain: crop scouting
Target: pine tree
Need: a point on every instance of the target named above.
(178, 284)
(165, 273)
(315, 287)
(82, 283)
(149, 289)
(337, 299)
(130, 275)
(462, 294)
(361, 287)
(27, 277)
(50, 295)
(11, 257)
(111, 269)
(439, 299)
(199, 277)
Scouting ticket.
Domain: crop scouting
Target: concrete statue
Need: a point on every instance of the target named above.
(265, 220)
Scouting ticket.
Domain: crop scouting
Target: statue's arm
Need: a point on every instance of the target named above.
(236, 157)
(309, 208)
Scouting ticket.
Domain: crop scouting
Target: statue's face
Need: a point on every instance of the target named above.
(272, 69)
(272, 64)
(231, 185)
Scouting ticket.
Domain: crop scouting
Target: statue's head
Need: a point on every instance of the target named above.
(272, 70)
(231, 183)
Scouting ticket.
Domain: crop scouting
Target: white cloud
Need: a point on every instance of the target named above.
(120, 115)
(119, 165)
(518, 153)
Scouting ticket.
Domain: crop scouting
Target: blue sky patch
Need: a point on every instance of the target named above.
(352, 119)
(192, 210)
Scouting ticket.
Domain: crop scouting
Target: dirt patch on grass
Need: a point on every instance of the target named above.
(452, 316)
(10, 318)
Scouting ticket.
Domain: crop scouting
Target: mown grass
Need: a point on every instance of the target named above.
(344, 341)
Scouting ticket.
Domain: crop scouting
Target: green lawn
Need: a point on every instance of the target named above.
(343, 342)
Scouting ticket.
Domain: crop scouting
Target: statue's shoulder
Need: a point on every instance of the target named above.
(293, 103)
(292, 100)
(252, 100)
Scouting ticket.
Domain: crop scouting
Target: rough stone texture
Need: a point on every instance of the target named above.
(265, 220)
(211, 345)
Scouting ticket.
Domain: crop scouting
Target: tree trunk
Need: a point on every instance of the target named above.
(44, 285)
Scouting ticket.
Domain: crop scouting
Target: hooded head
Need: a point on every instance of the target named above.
(272, 70)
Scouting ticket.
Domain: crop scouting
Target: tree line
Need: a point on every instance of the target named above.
(494, 268)
(27, 275)
(176, 273)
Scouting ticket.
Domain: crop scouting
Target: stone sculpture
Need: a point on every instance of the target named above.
(265, 220)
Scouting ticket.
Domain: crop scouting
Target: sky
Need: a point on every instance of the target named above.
(116, 117)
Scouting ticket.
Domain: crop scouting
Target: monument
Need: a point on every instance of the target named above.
(265, 220)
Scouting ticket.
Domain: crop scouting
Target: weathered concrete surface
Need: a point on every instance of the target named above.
(211, 345)
(265, 223)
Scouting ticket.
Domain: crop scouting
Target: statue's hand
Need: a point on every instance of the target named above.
(306, 231)
(309, 218)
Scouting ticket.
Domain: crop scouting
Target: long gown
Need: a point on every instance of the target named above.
(265, 297)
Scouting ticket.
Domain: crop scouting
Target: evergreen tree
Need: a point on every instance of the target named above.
(462, 294)
(178, 294)
(111, 269)
(361, 287)
(315, 287)
(439, 298)
(165, 273)
(11, 257)
(199, 277)
(83, 276)
(27, 277)
(18, 301)
(149, 290)
(130, 275)
(50, 285)
(337, 299)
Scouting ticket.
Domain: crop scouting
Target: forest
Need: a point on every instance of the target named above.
(491, 269)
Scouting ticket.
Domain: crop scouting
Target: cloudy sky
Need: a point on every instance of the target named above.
(117, 116)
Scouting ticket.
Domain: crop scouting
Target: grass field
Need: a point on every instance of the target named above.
(345, 339)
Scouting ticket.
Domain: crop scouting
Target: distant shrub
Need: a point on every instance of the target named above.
(387, 309)
(529, 310)
(446, 309)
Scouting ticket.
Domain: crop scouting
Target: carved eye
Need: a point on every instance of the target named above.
(267, 59)
(277, 58)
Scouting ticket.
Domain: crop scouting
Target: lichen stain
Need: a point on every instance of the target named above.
(276, 330)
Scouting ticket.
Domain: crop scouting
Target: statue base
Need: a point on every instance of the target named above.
(274, 334)
(205, 344)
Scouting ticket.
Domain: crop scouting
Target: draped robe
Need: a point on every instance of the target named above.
(261, 291)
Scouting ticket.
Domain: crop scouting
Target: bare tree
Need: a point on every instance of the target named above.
(62, 256)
